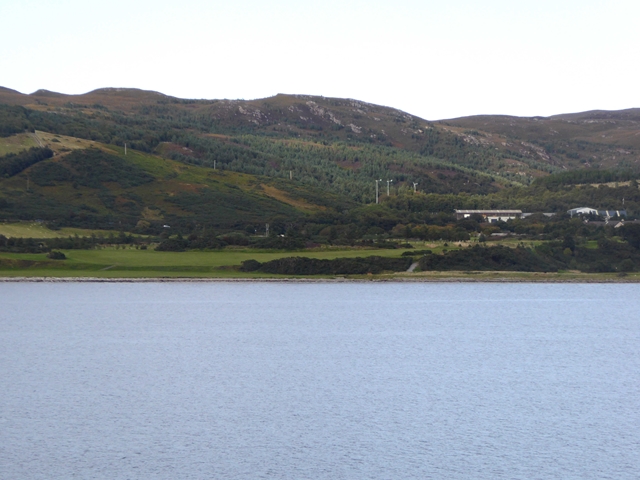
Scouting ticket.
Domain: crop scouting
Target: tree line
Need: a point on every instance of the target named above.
(14, 163)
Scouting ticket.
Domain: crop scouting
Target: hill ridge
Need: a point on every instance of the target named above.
(134, 90)
(517, 149)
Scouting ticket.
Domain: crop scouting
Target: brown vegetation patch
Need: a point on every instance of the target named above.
(151, 214)
(284, 198)
(61, 144)
(510, 161)
(447, 173)
(191, 187)
(16, 263)
(219, 136)
(168, 147)
(306, 143)
(350, 165)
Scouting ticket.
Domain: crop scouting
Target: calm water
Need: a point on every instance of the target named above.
(322, 381)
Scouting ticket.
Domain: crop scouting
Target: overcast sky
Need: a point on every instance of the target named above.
(435, 59)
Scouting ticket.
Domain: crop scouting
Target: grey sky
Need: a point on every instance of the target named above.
(432, 59)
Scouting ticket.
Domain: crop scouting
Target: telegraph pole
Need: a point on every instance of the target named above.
(377, 201)
(388, 189)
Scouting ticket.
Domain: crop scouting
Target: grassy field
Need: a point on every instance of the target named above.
(62, 143)
(38, 230)
(59, 143)
(16, 143)
(133, 263)
(129, 263)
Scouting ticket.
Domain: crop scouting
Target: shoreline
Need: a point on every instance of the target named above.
(388, 279)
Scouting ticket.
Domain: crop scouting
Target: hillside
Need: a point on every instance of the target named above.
(515, 149)
(232, 164)
(93, 185)
(340, 145)
(596, 139)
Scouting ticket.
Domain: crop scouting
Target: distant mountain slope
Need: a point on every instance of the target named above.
(109, 97)
(275, 135)
(588, 139)
(93, 185)
(313, 139)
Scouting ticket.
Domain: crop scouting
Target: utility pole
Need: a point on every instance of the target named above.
(290, 174)
(266, 234)
(125, 149)
(214, 164)
(388, 188)
(377, 201)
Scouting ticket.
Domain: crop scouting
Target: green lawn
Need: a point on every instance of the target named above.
(132, 263)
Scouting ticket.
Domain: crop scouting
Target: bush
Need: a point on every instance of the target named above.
(14, 163)
(235, 238)
(90, 168)
(55, 255)
(627, 265)
(631, 233)
(172, 245)
(416, 253)
(338, 266)
(280, 243)
(250, 266)
(489, 259)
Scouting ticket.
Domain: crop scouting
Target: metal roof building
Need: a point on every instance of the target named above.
(593, 211)
(490, 215)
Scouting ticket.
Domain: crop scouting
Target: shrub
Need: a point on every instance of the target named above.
(416, 253)
(280, 243)
(172, 245)
(338, 266)
(14, 163)
(492, 258)
(250, 265)
(235, 238)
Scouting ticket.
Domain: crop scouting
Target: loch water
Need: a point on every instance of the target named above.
(319, 381)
